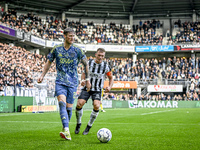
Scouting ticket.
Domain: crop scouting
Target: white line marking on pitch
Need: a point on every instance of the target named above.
(118, 123)
(155, 112)
(20, 114)
(30, 121)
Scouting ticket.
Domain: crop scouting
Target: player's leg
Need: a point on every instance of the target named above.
(102, 92)
(95, 111)
(102, 110)
(63, 112)
(79, 114)
(64, 117)
(71, 94)
(82, 99)
(62, 94)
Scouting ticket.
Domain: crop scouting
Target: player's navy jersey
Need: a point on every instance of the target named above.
(97, 74)
(66, 63)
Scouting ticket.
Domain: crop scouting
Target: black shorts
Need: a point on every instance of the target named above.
(95, 95)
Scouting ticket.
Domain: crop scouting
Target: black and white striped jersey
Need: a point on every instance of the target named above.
(97, 74)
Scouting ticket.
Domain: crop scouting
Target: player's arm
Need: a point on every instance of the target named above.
(110, 77)
(86, 72)
(83, 79)
(46, 68)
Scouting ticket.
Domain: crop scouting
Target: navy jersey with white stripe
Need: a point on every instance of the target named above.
(97, 74)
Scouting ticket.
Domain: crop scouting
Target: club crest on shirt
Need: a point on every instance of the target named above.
(72, 55)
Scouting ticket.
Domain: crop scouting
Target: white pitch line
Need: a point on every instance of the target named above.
(155, 112)
(18, 114)
(30, 121)
(118, 123)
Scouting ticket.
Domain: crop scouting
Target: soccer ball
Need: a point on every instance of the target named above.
(104, 135)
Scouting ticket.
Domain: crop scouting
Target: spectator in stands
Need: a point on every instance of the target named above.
(117, 34)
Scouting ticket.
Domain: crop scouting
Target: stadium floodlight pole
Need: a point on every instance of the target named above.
(14, 86)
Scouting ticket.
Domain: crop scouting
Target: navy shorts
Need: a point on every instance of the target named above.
(95, 95)
(69, 92)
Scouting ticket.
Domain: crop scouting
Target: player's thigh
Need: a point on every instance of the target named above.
(83, 98)
(61, 92)
(71, 95)
(96, 97)
(84, 95)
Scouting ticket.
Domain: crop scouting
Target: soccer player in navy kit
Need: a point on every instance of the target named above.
(67, 56)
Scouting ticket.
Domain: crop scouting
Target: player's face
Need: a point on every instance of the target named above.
(99, 56)
(69, 38)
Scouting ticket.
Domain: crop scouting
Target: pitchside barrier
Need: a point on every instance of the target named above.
(25, 104)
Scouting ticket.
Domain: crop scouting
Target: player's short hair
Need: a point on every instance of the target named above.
(101, 50)
(68, 30)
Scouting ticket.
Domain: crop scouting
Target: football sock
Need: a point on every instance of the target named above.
(63, 114)
(101, 106)
(79, 114)
(69, 111)
(66, 128)
(93, 117)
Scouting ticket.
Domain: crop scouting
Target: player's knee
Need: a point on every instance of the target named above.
(80, 104)
(69, 105)
(96, 106)
(61, 98)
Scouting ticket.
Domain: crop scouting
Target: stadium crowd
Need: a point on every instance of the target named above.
(22, 62)
(113, 33)
(143, 71)
(52, 28)
(188, 32)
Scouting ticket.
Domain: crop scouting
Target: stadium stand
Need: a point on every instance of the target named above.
(186, 32)
(88, 33)
(144, 71)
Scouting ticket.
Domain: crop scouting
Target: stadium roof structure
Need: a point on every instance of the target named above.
(110, 9)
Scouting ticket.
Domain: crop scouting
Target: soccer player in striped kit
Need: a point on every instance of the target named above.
(98, 69)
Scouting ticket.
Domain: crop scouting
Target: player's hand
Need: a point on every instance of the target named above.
(40, 79)
(82, 83)
(88, 85)
(107, 89)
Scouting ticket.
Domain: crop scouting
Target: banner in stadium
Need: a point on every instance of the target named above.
(9, 91)
(107, 104)
(6, 30)
(90, 47)
(156, 48)
(38, 40)
(19, 34)
(110, 48)
(165, 88)
(52, 43)
(187, 47)
(27, 36)
(39, 108)
(153, 104)
(122, 84)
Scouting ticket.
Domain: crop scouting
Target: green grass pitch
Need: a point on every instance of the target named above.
(141, 129)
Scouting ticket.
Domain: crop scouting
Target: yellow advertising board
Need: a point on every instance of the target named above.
(39, 108)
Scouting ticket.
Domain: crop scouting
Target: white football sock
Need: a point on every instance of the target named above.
(93, 117)
(79, 114)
